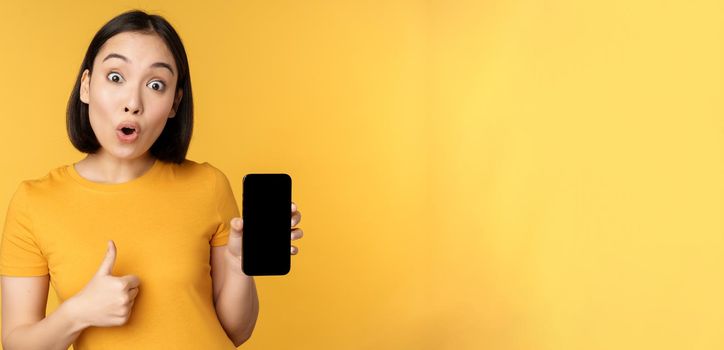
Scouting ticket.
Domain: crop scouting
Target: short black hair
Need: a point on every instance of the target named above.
(173, 142)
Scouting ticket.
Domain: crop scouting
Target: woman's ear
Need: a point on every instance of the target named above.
(176, 102)
(85, 86)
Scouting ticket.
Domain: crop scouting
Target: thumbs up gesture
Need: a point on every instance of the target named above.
(107, 300)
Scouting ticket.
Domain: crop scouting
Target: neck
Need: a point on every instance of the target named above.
(105, 168)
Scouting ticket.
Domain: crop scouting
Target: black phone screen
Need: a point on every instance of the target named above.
(267, 215)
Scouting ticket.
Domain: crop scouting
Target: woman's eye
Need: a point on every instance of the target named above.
(156, 85)
(115, 77)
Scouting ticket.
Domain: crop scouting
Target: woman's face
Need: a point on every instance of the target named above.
(133, 84)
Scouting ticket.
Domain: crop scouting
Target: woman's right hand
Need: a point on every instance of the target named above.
(106, 300)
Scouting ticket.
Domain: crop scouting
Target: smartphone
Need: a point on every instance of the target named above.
(267, 214)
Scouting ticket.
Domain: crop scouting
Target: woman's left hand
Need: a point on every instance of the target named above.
(233, 248)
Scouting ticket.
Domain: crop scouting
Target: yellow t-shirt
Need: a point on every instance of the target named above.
(163, 224)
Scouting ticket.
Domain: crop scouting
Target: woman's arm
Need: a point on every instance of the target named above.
(24, 325)
(235, 298)
(237, 305)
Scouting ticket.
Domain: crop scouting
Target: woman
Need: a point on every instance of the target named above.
(142, 245)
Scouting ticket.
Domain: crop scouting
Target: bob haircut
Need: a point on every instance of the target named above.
(173, 142)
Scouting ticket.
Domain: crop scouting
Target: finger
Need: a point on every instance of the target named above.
(294, 207)
(132, 281)
(297, 233)
(132, 293)
(109, 260)
(237, 224)
(296, 217)
(294, 250)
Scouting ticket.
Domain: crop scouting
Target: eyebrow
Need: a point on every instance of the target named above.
(157, 64)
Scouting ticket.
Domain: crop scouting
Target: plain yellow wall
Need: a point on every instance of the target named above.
(472, 175)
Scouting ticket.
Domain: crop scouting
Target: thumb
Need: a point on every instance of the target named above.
(110, 259)
(237, 225)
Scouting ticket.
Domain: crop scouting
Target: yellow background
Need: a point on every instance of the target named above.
(472, 174)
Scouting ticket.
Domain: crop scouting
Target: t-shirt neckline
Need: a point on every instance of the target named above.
(146, 177)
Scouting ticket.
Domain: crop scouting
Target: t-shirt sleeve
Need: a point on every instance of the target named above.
(20, 253)
(226, 208)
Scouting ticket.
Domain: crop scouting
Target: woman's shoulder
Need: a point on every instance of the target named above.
(194, 168)
(52, 179)
(197, 176)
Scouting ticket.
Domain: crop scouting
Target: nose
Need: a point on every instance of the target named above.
(135, 110)
(134, 103)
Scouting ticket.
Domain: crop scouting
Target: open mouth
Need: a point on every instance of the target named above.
(128, 131)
